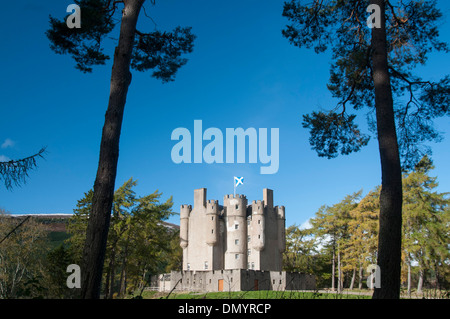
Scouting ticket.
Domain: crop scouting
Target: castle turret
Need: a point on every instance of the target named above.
(281, 223)
(212, 222)
(258, 225)
(236, 224)
(268, 197)
(199, 197)
(185, 210)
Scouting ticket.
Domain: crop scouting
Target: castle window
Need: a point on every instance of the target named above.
(212, 218)
(249, 252)
(188, 267)
(259, 221)
(236, 226)
(206, 265)
(253, 265)
(259, 236)
(236, 256)
(237, 206)
(236, 241)
(212, 231)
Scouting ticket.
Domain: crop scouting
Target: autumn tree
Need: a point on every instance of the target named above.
(425, 230)
(21, 254)
(158, 51)
(139, 243)
(372, 63)
(331, 224)
(361, 248)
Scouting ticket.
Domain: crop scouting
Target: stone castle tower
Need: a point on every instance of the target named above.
(233, 236)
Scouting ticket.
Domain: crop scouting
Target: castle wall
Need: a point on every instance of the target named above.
(239, 280)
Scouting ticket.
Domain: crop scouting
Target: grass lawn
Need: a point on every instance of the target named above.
(261, 294)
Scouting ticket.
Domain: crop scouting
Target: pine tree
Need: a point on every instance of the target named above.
(158, 51)
(370, 67)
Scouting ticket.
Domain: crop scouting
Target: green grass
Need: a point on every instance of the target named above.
(262, 294)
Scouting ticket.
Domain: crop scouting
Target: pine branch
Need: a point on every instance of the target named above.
(14, 229)
(16, 171)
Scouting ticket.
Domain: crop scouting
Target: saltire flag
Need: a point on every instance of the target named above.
(238, 181)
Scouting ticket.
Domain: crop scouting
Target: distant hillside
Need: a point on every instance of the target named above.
(53, 222)
(57, 222)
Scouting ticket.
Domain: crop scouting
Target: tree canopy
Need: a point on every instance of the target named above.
(412, 29)
(345, 235)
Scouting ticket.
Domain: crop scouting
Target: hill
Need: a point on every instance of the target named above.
(56, 224)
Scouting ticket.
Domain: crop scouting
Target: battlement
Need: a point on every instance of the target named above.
(280, 211)
(258, 207)
(185, 210)
(212, 207)
(258, 202)
(231, 196)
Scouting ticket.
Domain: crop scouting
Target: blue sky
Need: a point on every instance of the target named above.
(242, 73)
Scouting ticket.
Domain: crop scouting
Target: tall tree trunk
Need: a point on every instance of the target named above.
(143, 282)
(360, 275)
(352, 282)
(409, 277)
(420, 283)
(333, 269)
(108, 273)
(112, 271)
(99, 219)
(123, 277)
(390, 221)
(339, 271)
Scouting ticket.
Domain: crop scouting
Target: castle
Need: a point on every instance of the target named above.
(233, 247)
(232, 236)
